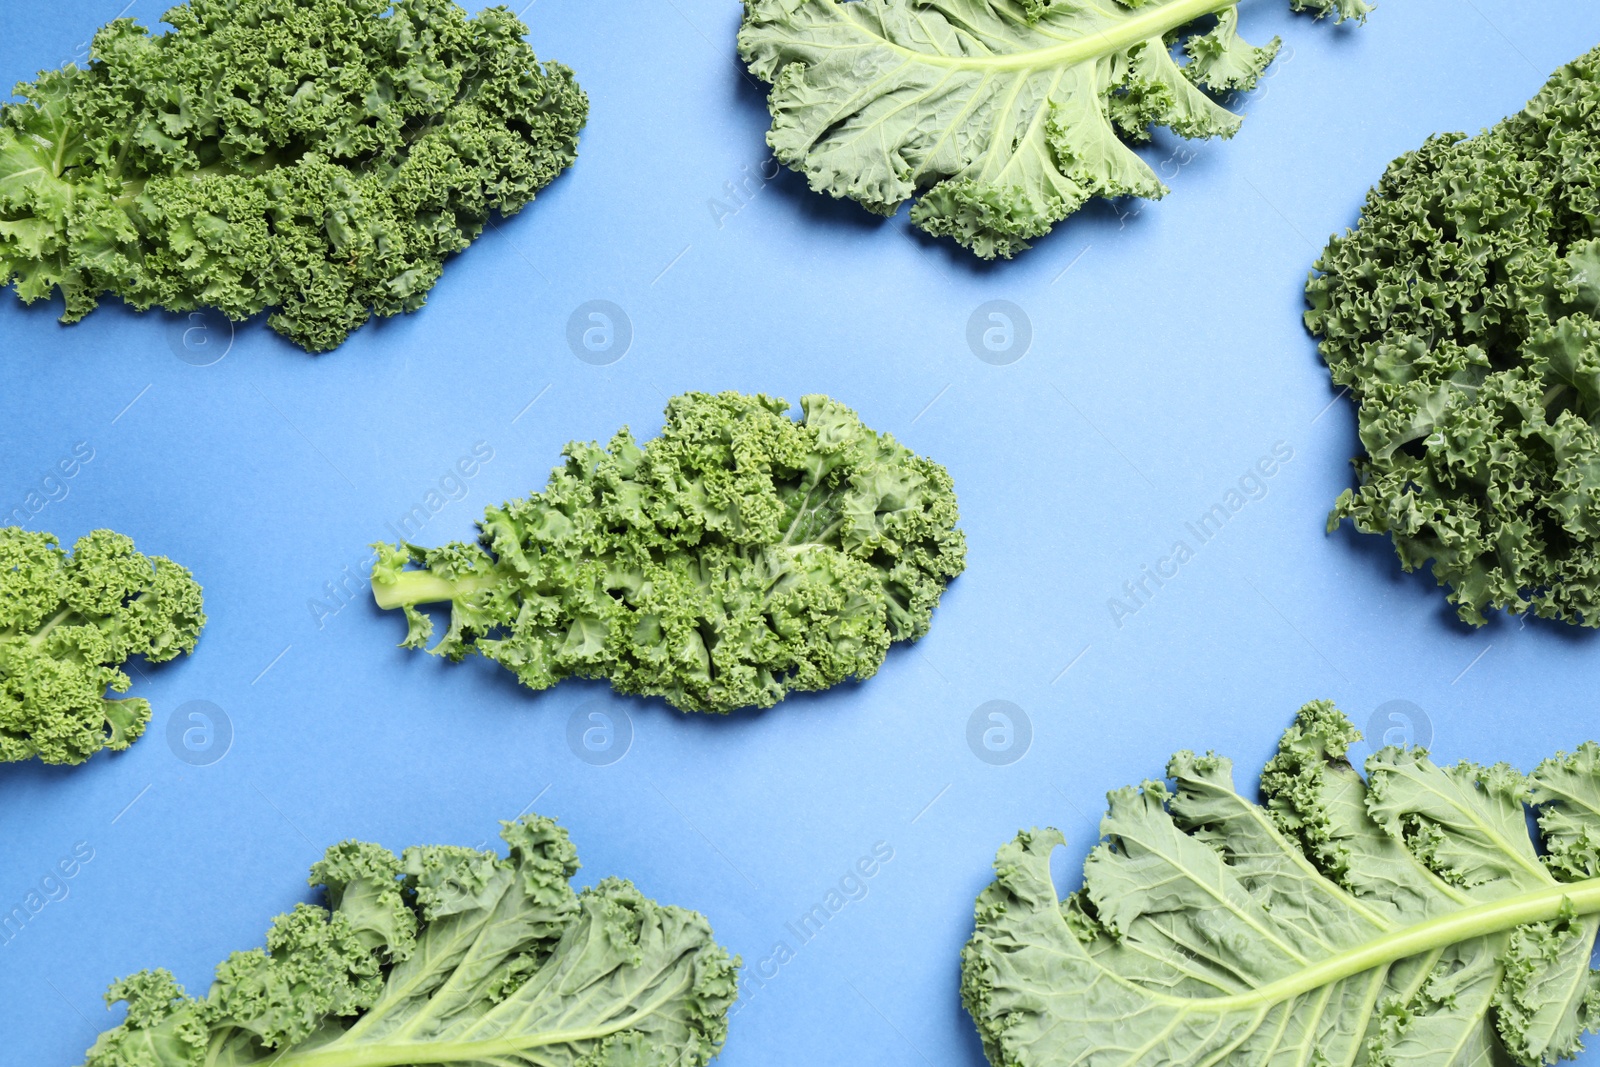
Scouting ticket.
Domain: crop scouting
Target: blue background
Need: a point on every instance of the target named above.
(1167, 356)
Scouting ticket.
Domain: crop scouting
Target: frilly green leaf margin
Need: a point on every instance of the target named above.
(449, 957)
(1402, 921)
(1004, 117)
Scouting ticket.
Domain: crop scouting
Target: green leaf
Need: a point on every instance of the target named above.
(319, 160)
(1404, 920)
(448, 956)
(67, 626)
(1003, 117)
(1223, 60)
(737, 557)
(1463, 315)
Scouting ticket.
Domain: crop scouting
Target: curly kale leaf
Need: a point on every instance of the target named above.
(316, 158)
(1463, 314)
(1404, 920)
(1003, 116)
(447, 956)
(68, 624)
(737, 557)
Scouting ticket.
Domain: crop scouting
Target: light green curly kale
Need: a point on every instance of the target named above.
(1402, 921)
(737, 557)
(68, 624)
(1003, 116)
(316, 158)
(1463, 314)
(449, 957)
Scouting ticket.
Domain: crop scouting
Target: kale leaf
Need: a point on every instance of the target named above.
(1463, 314)
(1003, 116)
(447, 955)
(1407, 919)
(316, 158)
(737, 557)
(68, 624)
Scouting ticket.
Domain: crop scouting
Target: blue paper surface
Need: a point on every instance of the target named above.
(1166, 358)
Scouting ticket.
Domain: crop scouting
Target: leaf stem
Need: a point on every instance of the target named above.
(44, 631)
(1539, 905)
(399, 1054)
(467, 1049)
(1124, 35)
(401, 588)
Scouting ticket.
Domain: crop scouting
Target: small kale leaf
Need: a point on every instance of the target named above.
(737, 557)
(67, 626)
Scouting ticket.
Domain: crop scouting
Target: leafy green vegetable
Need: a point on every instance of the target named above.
(67, 624)
(448, 956)
(317, 157)
(1404, 920)
(737, 557)
(1003, 116)
(1462, 314)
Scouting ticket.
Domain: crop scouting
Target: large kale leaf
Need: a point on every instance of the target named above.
(1003, 116)
(316, 158)
(447, 956)
(1463, 314)
(1407, 920)
(737, 557)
